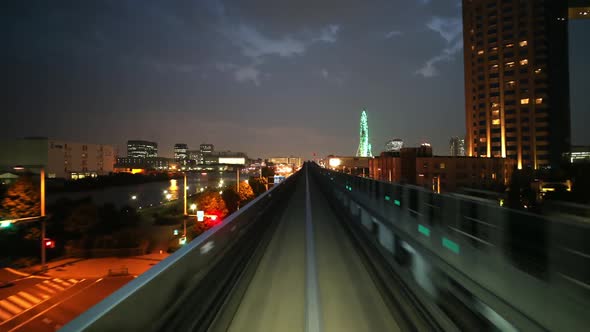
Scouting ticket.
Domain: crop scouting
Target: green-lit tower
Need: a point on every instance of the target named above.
(364, 149)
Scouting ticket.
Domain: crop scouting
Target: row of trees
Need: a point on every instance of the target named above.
(230, 199)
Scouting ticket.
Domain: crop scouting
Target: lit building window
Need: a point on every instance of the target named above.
(509, 45)
(524, 62)
(496, 122)
(510, 64)
(523, 43)
(494, 67)
(480, 52)
(524, 101)
(538, 71)
(539, 101)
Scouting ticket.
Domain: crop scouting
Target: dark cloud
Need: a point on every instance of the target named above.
(264, 76)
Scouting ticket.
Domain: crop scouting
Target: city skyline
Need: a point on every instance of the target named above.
(245, 78)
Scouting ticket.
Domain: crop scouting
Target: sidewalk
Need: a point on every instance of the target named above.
(99, 267)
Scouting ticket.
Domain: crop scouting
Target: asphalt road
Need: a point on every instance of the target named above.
(278, 298)
(45, 304)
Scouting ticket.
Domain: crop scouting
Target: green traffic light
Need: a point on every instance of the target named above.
(5, 224)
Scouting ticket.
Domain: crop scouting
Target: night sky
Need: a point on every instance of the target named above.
(265, 77)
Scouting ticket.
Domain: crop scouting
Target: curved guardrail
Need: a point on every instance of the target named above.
(142, 304)
(519, 270)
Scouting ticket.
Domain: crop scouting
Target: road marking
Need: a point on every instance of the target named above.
(73, 281)
(313, 322)
(13, 271)
(10, 307)
(56, 286)
(20, 302)
(47, 289)
(55, 305)
(47, 320)
(4, 315)
(29, 297)
(67, 284)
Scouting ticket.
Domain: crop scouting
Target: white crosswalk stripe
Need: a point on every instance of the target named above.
(29, 297)
(54, 285)
(46, 289)
(16, 304)
(4, 315)
(8, 306)
(19, 301)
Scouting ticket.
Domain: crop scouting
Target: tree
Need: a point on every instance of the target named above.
(82, 220)
(267, 171)
(231, 199)
(22, 199)
(246, 193)
(212, 203)
(258, 185)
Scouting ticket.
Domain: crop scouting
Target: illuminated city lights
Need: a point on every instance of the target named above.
(364, 149)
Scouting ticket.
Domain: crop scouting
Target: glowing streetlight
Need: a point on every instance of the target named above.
(193, 207)
(165, 192)
(168, 196)
(134, 197)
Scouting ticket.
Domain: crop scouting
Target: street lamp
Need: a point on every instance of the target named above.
(194, 209)
(42, 192)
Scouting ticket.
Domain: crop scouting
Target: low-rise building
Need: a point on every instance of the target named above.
(60, 159)
(419, 167)
(141, 165)
(292, 161)
(349, 164)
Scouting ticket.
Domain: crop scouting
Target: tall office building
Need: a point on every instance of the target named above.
(180, 151)
(206, 150)
(517, 80)
(142, 149)
(457, 146)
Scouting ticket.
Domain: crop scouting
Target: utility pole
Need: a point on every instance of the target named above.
(43, 227)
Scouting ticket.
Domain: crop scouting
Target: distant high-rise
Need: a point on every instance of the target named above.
(205, 153)
(364, 149)
(516, 80)
(142, 149)
(457, 146)
(180, 151)
(394, 145)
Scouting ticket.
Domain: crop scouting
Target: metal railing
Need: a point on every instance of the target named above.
(144, 303)
(521, 270)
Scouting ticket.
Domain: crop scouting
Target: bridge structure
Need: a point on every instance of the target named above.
(326, 251)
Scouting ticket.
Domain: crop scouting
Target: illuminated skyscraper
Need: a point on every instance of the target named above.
(394, 145)
(516, 80)
(180, 152)
(364, 149)
(142, 149)
(457, 146)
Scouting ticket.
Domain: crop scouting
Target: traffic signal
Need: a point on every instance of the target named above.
(5, 224)
(49, 243)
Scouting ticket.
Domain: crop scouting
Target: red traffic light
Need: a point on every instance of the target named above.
(49, 243)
